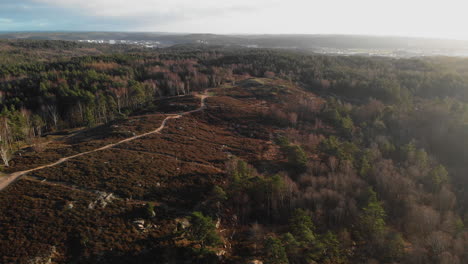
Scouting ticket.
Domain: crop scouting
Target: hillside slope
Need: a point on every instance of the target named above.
(97, 196)
(217, 155)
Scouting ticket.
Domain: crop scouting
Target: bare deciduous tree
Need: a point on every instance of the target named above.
(5, 140)
(53, 113)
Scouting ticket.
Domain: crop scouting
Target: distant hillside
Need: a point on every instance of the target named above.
(347, 44)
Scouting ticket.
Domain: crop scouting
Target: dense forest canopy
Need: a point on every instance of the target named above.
(378, 172)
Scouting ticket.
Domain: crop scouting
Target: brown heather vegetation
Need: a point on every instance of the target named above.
(295, 158)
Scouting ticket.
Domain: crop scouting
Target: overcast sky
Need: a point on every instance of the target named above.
(422, 18)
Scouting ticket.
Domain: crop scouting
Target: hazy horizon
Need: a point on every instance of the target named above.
(227, 34)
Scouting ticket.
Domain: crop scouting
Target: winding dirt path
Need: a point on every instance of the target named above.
(7, 180)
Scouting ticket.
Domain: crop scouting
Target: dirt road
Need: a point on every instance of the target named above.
(7, 180)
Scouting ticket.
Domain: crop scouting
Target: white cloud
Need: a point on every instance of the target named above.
(173, 8)
(431, 18)
(5, 21)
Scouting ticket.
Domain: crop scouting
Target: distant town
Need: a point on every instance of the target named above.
(144, 43)
(382, 52)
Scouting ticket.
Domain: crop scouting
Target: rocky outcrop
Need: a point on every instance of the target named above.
(45, 258)
(102, 200)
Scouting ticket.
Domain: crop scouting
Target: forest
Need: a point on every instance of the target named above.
(374, 173)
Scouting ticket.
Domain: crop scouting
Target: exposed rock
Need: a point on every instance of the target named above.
(221, 253)
(102, 200)
(70, 205)
(182, 223)
(45, 258)
(140, 224)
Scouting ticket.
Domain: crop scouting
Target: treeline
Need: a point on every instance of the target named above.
(91, 90)
(359, 78)
(86, 91)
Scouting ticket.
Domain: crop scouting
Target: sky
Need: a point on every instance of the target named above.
(414, 18)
